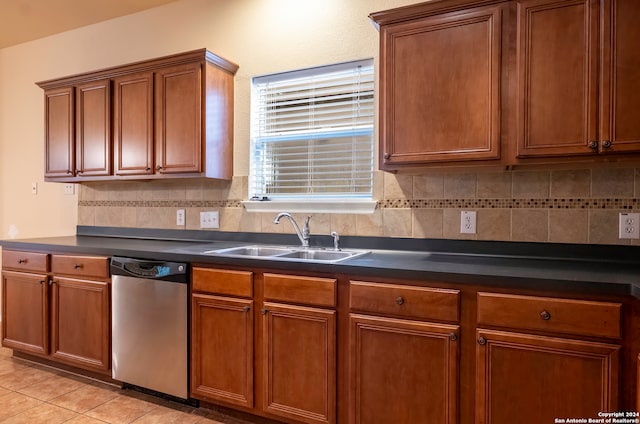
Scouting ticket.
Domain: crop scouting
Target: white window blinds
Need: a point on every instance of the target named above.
(312, 133)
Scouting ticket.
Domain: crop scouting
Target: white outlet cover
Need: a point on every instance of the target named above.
(629, 226)
(467, 222)
(180, 217)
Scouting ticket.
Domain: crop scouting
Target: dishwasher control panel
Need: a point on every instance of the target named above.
(161, 270)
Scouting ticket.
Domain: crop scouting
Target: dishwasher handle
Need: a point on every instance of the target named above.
(154, 270)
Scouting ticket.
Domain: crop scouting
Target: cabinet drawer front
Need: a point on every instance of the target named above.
(222, 281)
(84, 266)
(300, 289)
(406, 301)
(25, 261)
(581, 317)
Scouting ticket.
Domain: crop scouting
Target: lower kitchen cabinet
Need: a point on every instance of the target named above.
(222, 349)
(62, 313)
(404, 368)
(291, 374)
(538, 379)
(299, 357)
(80, 325)
(403, 371)
(25, 312)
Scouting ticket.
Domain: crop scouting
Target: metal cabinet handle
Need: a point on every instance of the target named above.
(593, 145)
(22, 261)
(158, 168)
(482, 341)
(606, 144)
(77, 266)
(263, 311)
(545, 315)
(387, 156)
(246, 309)
(399, 300)
(453, 337)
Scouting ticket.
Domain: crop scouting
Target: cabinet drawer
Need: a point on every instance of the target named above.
(82, 266)
(405, 301)
(222, 281)
(25, 261)
(300, 289)
(581, 317)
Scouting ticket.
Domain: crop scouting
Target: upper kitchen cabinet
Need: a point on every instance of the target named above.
(578, 77)
(441, 78)
(78, 130)
(166, 118)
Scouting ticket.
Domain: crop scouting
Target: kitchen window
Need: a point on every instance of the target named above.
(312, 140)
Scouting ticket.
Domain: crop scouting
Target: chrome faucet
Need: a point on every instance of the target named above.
(302, 235)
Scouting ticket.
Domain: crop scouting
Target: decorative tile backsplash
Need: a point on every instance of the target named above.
(568, 206)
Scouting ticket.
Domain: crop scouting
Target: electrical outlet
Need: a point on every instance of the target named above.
(180, 217)
(629, 226)
(69, 189)
(209, 219)
(34, 188)
(468, 222)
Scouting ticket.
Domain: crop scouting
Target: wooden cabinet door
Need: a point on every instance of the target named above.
(25, 312)
(133, 124)
(557, 77)
(80, 324)
(178, 111)
(93, 129)
(299, 357)
(59, 130)
(403, 372)
(222, 349)
(620, 81)
(538, 379)
(440, 88)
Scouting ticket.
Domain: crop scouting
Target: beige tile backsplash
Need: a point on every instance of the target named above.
(565, 206)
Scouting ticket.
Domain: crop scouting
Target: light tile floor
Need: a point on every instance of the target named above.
(35, 394)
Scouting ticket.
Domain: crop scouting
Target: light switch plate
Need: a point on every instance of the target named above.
(209, 219)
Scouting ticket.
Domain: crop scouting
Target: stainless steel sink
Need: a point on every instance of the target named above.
(287, 253)
(251, 251)
(319, 255)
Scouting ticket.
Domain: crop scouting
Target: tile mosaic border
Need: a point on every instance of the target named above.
(471, 203)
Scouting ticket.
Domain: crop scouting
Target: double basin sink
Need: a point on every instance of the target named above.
(288, 253)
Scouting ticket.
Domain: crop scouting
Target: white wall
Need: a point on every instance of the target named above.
(262, 36)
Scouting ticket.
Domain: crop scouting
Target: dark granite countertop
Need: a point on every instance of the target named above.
(577, 268)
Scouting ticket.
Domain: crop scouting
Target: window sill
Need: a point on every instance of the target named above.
(315, 206)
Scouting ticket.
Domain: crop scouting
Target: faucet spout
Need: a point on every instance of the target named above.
(303, 234)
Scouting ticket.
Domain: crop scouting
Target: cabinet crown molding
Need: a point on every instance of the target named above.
(202, 55)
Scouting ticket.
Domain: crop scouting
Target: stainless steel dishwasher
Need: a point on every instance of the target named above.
(149, 325)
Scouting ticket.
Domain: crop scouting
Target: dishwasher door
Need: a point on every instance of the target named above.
(149, 334)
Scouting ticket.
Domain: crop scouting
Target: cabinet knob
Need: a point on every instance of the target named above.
(453, 337)
(246, 309)
(51, 282)
(593, 145)
(80, 171)
(482, 341)
(545, 315)
(606, 144)
(22, 261)
(263, 311)
(77, 266)
(399, 300)
(387, 156)
(158, 168)
(69, 171)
